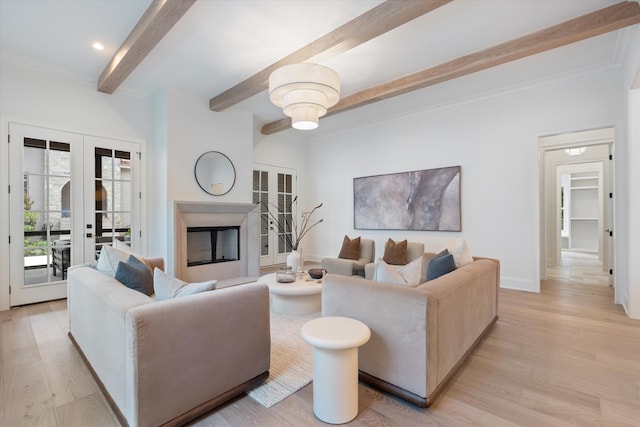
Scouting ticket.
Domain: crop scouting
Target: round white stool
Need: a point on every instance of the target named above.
(335, 342)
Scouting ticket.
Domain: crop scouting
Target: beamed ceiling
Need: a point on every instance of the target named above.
(225, 50)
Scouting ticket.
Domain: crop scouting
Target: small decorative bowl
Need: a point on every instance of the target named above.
(317, 273)
(285, 275)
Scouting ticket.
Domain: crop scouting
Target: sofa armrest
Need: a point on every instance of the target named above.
(369, 270)
(215, 340)
(155, 262)
(397, 317)
(467, 303)
(343, 267)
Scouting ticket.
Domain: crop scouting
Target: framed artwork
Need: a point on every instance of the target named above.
(427, 200)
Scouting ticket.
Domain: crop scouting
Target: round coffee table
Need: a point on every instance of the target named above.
(304, 296)
(335, 342)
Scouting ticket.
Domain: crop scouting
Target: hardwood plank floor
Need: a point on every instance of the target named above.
(565, 357)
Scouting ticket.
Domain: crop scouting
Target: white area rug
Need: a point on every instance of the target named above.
(291, 360)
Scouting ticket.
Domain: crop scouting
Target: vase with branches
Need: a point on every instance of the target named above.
(290, 230)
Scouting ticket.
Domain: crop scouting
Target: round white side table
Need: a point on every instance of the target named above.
(300, 297)
(335, 342)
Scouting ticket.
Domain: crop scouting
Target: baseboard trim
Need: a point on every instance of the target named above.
(425, 402)
(185, 417)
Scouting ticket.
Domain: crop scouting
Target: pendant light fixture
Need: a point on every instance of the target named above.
(304, 92)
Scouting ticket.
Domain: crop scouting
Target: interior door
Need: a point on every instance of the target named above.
(112, 194)
(45, 177)
(274, 189)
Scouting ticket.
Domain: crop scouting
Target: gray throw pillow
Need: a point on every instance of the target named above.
(135, 274)
(440, 265)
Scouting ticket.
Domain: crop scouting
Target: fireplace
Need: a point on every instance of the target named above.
(210, 245)
(213, 241)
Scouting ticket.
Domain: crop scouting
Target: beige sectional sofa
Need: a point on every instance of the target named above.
(167, 362)
(419, 336)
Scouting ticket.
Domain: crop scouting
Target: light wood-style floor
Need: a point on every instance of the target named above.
(579, 267)
(565, 357)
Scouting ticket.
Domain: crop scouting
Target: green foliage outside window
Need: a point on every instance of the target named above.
(31, 247)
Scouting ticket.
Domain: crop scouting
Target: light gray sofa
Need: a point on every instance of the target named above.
(419, 336)
(168, 362)
(349, 267)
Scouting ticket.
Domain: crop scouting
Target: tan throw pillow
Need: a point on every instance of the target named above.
(395, 253)
(350, 248)
(122, 246)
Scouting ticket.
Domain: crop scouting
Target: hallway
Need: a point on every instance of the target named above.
(579, 267)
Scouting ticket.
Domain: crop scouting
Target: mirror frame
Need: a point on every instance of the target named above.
(203, 185)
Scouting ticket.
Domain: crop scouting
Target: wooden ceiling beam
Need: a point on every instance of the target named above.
(156, 22)
(382, 18)
(593, 24)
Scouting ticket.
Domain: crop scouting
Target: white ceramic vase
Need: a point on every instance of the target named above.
(294, 260)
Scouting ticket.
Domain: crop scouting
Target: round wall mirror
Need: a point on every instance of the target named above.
(215, 173)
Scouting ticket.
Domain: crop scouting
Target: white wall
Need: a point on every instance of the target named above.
(493, 138)
(287, 150)
(632, 302)
(44, 99)
(632, 189)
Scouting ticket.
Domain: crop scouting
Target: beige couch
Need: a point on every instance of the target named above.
(419, 336)
(349, 267)
(167, 362)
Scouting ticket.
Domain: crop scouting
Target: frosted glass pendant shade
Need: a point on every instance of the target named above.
(304, 92)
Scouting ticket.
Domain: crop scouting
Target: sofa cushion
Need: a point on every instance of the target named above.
(460, 251)
(395, 253)
(118, 244)
(135, 274)
(405, 275)
(167, 287)
(440, 265)
(109, 259)
(350, 248)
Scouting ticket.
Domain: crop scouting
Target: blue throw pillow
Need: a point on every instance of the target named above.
(135, 274)
(440, 265)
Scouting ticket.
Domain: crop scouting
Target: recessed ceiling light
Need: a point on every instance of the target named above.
(98, 46)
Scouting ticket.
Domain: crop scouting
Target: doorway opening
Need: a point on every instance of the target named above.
(577, 207)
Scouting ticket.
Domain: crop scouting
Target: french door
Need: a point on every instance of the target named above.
(274, 189)
(54, 204)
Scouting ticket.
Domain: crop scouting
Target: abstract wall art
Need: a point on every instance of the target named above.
(427, 200)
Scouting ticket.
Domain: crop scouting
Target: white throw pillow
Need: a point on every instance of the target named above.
(405, 275)
(460, 251)
(109, 259)
(168, 287)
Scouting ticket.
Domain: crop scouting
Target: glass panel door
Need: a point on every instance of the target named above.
(273, 189)
(41, 212)
(112, 194)
(70, 194)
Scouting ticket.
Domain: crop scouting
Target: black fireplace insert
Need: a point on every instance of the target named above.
(210, 245)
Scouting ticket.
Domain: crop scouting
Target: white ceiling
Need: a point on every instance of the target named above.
(219, 43)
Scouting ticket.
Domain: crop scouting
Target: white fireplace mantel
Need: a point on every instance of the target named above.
(185, 214)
